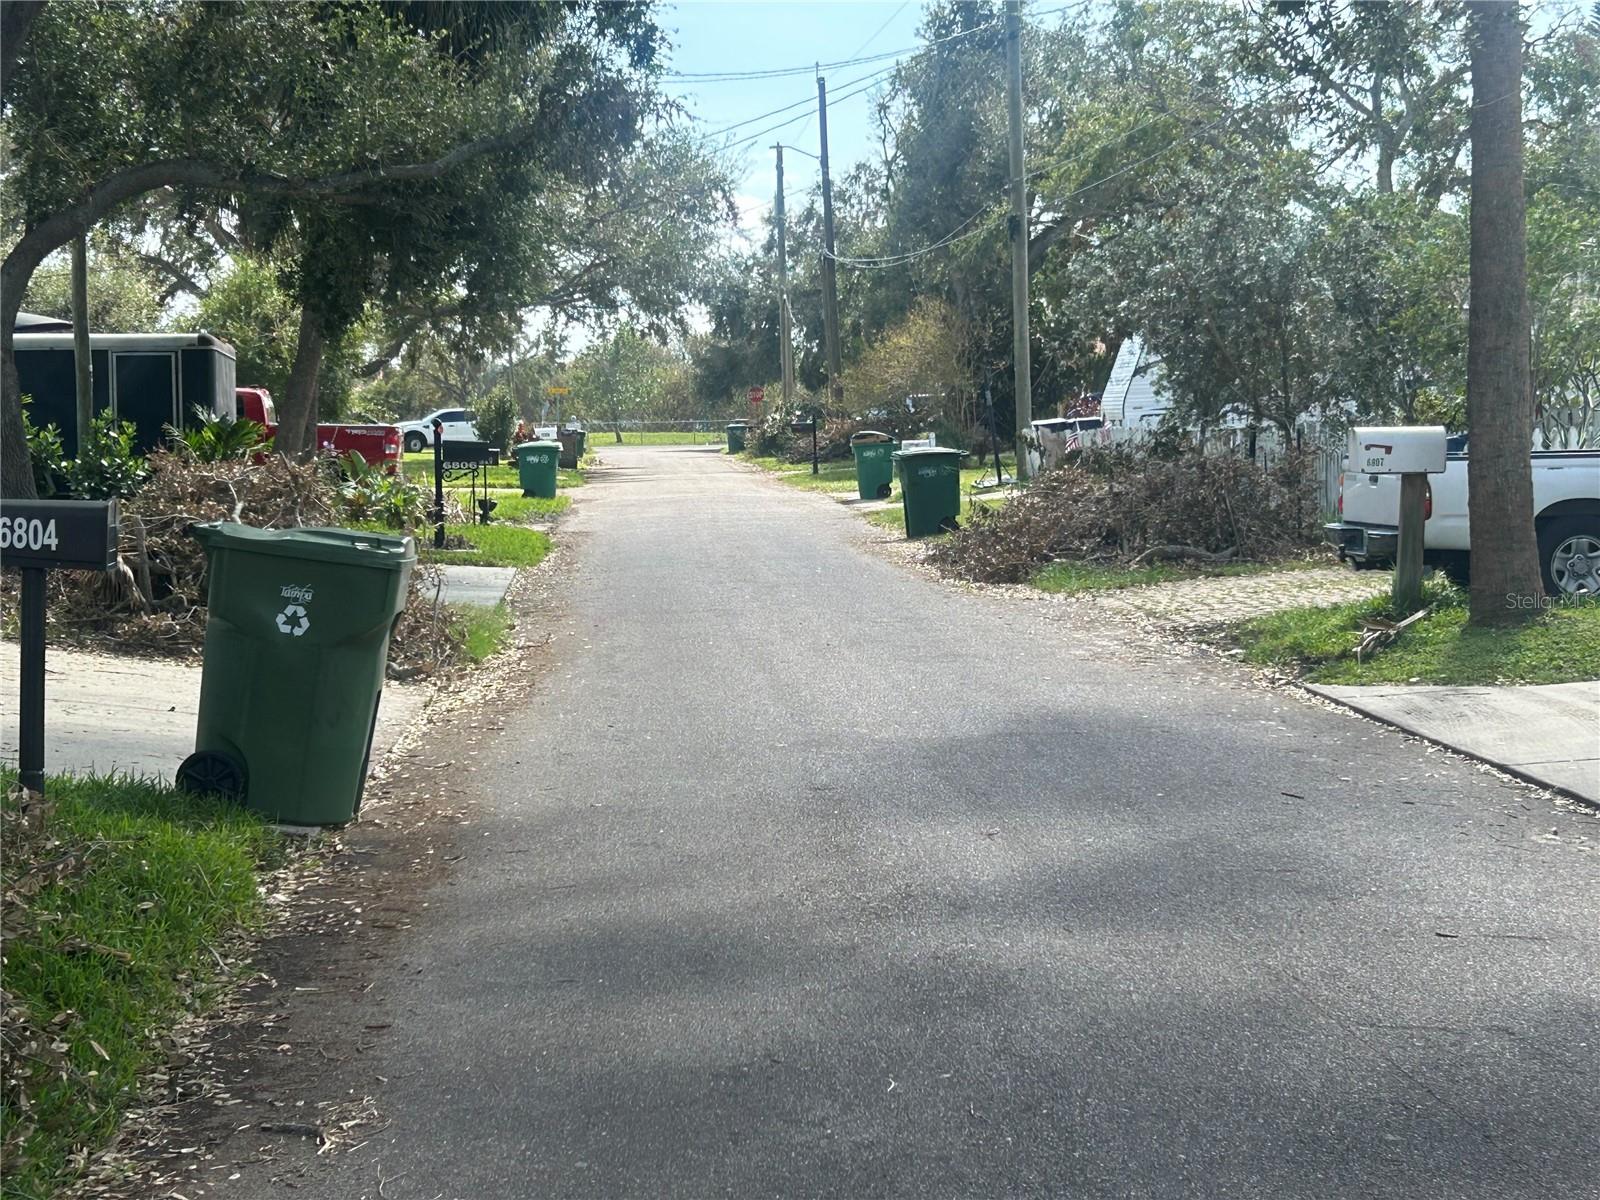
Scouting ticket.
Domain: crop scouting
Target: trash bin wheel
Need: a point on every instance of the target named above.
(212, 772)
(949, 524)
(884, 489)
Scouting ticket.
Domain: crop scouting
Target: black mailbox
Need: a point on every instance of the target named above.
(77, 534)
(469, 456)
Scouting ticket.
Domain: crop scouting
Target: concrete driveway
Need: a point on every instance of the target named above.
(833, 881)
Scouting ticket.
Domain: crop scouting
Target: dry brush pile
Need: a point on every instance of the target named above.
(155, 599)
(1121, 505)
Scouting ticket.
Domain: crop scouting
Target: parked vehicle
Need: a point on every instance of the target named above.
(150, 380)
(1566, 508)
(378, 445)
(460, 425)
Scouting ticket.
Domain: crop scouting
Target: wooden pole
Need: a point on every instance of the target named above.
(1407, 591)
(830, 283)
(1022, 367)
(83, 358)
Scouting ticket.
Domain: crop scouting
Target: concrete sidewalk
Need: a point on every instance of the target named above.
(1549, 735)
(110, 712)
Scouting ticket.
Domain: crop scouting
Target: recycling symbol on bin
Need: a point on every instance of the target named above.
(293, 620)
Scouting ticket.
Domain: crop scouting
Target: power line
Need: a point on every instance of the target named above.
(817, 68)
(879, 31)
(808, 102)
(952, 238)
(749, 139)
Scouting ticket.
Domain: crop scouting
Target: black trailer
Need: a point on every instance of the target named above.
(149, 379)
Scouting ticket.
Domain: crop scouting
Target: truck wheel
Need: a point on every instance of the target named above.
(415, 443)
(1569, 555)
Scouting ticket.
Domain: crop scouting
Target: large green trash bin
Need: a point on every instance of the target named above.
(297, 639)
(930, 488)
(736, 432)
(583, 442)
(537, 463)
(571, 449)
(874, 453)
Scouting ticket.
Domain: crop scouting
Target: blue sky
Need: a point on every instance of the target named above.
(710, 37)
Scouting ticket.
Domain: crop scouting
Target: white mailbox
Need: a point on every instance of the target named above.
(1397, 449)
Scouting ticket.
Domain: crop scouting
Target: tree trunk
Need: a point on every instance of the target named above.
(16, 467)
(297, 412)
(1506, 586)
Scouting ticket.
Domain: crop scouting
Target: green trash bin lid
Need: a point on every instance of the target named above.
(541, 444)
(352, 547)
(870, 436)
(931, 452)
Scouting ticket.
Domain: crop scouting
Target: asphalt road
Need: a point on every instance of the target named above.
(806, 876)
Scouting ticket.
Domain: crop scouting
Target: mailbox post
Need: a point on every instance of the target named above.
(438, 484)
(1412, 452)
(37, 536)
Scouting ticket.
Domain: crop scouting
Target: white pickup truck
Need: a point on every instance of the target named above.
(1566, 514)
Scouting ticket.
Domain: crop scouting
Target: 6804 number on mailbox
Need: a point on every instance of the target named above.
(29, 533)
(79, 534)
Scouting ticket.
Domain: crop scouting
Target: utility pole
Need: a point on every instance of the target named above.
(830, 282)
(1019, 239)
(785, 339)
(82, 358)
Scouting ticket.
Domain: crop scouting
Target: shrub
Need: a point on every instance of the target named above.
(48, 455)
(370, 495)
(216, 438)
(108, 465)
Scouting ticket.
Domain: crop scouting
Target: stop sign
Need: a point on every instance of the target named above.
(757, 395)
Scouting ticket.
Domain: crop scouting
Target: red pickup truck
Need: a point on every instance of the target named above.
(378, 444)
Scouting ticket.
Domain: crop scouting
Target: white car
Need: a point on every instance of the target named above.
(1566, 516)
(459, 426)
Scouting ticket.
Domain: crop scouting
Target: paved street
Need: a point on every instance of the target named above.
(804, 875)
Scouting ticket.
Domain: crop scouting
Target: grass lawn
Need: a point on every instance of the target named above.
(494, 545)
(111, 929)
(511, 505)
(1070, 578)
(831, 477)
(483, 630)
(1560, 646)
(419, 469)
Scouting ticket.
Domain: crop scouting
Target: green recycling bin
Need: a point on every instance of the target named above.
(537, 463)
(930, 488)
(736, 432)
(583, 442)
(874, 453)
(571, 448)
(297, 639)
